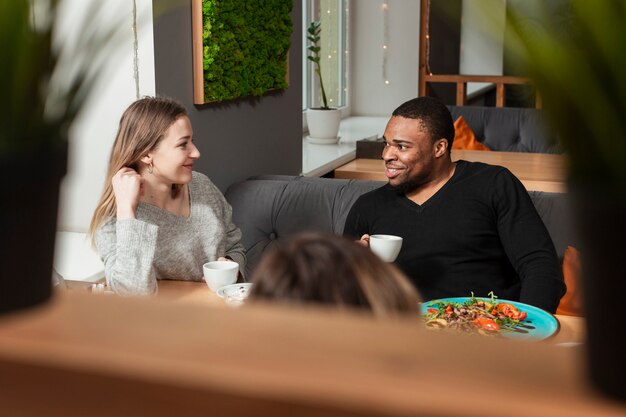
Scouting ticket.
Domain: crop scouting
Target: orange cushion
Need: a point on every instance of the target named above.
(572, 303)
(464, 137)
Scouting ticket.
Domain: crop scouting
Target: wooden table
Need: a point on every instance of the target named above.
(537, 171)
(101, 355)
(177, 291)
(189, 292)
(571, 329)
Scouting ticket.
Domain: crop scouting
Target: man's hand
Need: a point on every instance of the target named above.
(364, 241)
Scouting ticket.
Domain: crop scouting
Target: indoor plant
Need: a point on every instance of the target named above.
(323, 121)
(578, 65)
(44, 87)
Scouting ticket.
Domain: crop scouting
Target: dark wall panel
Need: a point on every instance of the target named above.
(241, 138)
(445, 46)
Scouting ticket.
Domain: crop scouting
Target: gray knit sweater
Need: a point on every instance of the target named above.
(161, 245)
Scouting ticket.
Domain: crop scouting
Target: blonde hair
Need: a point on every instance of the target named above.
(142, 127)
(332, 270)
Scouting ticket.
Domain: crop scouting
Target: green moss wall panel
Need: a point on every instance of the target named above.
(244, 47)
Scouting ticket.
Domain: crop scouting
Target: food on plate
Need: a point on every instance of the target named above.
(476, 315)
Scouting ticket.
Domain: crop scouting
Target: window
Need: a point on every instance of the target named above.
(333, 15)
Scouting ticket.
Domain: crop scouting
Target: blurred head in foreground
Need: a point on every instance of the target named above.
(332, 270)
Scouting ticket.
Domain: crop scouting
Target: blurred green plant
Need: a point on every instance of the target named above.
(44, 82)
(245, 47)
(579, 66)
(314, 32)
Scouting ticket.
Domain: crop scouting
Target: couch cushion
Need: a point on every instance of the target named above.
(556, 213)
(268, 208)
(509, 129)
(572, 302)
(464, 138)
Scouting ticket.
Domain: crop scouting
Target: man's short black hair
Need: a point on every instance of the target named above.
(433, 114)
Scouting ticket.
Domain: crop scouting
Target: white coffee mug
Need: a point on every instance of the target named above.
(220, 273)
(387, 247)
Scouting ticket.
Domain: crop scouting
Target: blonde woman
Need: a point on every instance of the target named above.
(157, 218)
(331, 270)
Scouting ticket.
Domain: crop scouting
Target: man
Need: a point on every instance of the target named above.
(467, 226)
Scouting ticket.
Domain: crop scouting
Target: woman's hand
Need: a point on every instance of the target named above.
(127, 187)
(239, 274)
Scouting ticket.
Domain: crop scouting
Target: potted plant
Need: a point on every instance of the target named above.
(575, 55)
(44, 88)
(323, 121)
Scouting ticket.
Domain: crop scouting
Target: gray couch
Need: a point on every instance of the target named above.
(268, 208)
(509, 129)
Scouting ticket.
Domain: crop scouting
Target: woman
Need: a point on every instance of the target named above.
(157, 219)
(332, 270)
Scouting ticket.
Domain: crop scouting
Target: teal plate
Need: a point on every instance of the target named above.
(538, 325)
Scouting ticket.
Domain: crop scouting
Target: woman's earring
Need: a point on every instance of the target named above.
(150, 168)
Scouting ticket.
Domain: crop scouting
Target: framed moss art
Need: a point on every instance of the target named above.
(239, 48)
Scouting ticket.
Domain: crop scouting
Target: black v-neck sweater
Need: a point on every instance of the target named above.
(479, 233)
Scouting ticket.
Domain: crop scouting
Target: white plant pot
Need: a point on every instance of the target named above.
(323, 125)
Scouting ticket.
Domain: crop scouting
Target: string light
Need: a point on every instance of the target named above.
(135, 50)
(385, 11)
(330, 25)
(333, 11)
(346, 60)
(428, 38)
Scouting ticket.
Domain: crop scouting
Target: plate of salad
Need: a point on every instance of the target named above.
(489, 317)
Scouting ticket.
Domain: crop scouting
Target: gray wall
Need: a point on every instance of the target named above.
(241, 138)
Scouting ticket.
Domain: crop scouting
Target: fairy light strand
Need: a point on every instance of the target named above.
(135, 49)
(346, 63)
(385, 11)
(428, 38)
(336, 55)
(328, 46)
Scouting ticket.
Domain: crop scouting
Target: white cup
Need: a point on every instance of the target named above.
(220, 273)
(387, 247)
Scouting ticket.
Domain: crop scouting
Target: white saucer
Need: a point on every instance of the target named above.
(323, 141)
(242, 289)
